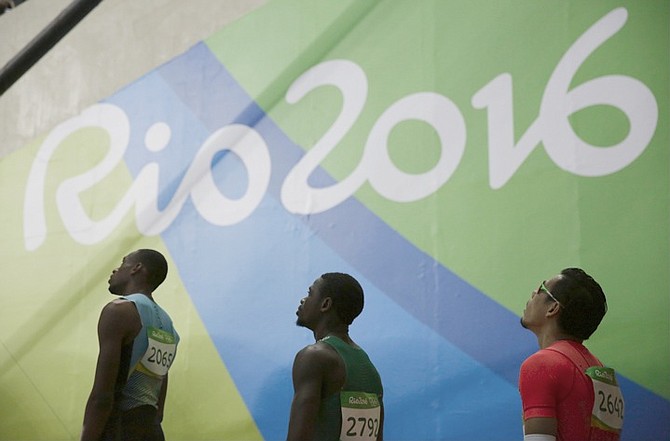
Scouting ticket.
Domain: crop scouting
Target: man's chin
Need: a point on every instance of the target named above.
(523, 325)
(303, 324)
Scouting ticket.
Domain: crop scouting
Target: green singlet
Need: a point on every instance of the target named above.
(362, 379)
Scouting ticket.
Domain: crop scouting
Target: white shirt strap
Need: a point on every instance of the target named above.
(539, 437)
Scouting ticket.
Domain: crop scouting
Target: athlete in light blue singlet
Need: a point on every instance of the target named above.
(138, 344)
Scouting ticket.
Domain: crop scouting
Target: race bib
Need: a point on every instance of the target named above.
(160, 352)
(361, 414)
(607, 413)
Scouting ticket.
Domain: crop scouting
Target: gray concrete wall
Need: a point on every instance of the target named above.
(118, 42)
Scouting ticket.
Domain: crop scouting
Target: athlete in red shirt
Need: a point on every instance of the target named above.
(567, 394)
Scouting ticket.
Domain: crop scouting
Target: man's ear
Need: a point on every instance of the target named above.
(326, 304)
(553, 310)
(136, 268)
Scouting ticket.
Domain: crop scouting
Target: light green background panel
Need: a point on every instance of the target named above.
(501, 238)
(48, 344)
(624, 224)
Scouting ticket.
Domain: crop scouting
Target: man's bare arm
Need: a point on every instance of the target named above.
(308, 378)
(540, 426)
(118, 324)
(161, 399)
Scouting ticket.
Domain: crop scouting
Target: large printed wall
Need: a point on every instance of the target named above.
(450, 155)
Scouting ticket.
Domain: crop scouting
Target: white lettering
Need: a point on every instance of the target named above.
(443, 116)
(106, 116)
(251, 148)
(627, 94)
(551, 128)
(198, 182)
(296, 194)
(604, 374)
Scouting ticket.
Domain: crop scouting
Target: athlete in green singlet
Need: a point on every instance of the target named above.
(337, 390)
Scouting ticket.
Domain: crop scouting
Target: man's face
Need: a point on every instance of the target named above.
(309, 309)
(534, 315)
(120, 276)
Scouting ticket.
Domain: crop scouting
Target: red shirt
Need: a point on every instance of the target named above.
(552, 386)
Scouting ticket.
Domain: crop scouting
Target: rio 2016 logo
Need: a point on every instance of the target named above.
(551, 128)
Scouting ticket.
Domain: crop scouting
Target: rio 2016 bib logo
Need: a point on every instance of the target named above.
(551, 128)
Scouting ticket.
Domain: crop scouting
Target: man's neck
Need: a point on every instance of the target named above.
(138, 291)
(546, 340)
(341, 332)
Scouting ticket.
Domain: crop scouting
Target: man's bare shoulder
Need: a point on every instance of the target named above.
(120, 317)
(318, 353)
(120, 309)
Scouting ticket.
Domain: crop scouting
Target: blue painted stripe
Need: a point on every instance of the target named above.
(423, 288)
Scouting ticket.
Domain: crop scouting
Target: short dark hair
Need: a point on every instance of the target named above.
(346, 294)
(156, 265)
(583, 300)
